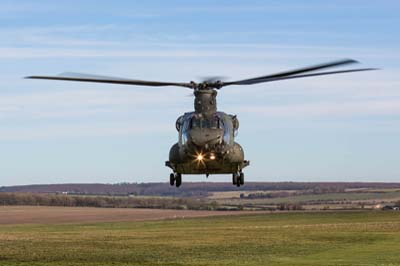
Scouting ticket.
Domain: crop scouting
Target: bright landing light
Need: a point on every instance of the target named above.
(200, 157)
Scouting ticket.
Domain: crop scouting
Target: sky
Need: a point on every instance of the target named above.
(334, 128)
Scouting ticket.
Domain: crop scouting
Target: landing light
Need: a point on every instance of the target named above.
(212, 157)
(200, 157)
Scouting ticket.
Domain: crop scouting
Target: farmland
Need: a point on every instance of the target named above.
(345, 200)
(55, 215)
(208, 196)
(288, 238)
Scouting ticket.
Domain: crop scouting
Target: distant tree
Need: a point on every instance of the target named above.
(289, 207)
(106, 201)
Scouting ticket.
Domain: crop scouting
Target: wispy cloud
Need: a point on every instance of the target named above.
(57, 36)
(24, 53)
(328, 109)
(83, 34)
(78, 103)
(79, 131)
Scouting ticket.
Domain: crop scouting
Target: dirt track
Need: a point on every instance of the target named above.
(52, 215)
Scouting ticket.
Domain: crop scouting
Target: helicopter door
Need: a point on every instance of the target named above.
(228, 129)
(185, 122)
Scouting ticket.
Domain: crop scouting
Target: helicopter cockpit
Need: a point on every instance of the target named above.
(200, 122)
(192, 121)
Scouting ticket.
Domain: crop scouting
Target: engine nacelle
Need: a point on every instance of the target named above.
(179, 123)
(235, 122)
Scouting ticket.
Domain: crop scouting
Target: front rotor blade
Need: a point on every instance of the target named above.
(293, 72)
(298, 76)
(105, 79)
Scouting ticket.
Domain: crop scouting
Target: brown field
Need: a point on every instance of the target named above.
(236, 194)
(52, 215)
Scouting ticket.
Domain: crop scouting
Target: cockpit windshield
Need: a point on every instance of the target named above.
(192, 121)
(199, 122)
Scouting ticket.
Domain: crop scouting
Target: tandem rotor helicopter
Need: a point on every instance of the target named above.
(206, 136)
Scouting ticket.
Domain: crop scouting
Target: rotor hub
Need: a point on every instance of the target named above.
(206, 85)
(205, 101)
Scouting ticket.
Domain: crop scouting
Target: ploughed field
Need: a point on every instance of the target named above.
(51, 215)
(297, 238)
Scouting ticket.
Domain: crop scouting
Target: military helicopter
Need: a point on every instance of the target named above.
(206, 136)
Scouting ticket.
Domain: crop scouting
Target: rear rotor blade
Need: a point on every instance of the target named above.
(211, 79)
(250, 82)
(105, 79)
(293, 72)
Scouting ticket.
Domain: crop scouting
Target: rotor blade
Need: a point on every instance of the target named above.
(295, 76)
(296, 71)
(105, 79)
(211, 79)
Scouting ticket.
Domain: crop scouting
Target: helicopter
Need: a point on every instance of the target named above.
(206, 137)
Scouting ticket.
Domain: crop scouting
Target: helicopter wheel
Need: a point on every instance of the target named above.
(171, 179)
(241, 178)
(234, 179)
(178, 179)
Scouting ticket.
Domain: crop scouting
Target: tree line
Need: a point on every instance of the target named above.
(192, 189)
(105, 201)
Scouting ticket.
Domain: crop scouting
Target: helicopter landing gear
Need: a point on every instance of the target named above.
(175, 179)
(178, 180)
(234, 178)
(238, 179)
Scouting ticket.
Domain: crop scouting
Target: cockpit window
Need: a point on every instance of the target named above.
(213, 122)
(193, 121)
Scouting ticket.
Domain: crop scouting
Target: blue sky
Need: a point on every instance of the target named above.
(337, 128)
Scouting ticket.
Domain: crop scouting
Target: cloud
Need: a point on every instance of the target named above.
(57, 36)
(260, 7)
(68, 103)
(328, 109)
(87, 130)
(294, 54)
(97, 34)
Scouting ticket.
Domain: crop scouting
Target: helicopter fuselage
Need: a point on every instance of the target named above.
(206, 146)
(206, 140)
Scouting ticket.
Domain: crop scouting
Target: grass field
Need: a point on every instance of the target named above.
(330, 238)
(304, 199)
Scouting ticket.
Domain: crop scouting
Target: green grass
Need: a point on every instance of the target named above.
(317, 197)
(330, 238)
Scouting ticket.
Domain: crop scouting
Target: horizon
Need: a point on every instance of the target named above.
(203, 182)
(324, 129)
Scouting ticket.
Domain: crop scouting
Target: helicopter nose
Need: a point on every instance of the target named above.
(203, 137)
